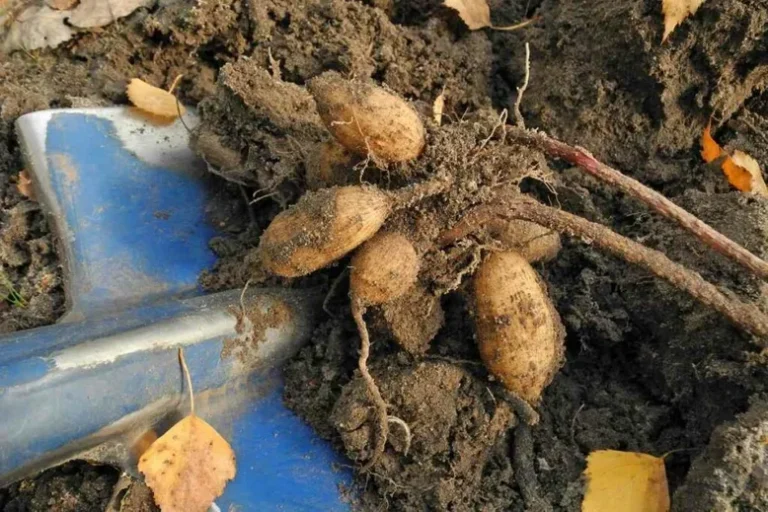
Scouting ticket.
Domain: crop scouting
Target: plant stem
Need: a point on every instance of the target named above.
(584, 159)
(745, 316)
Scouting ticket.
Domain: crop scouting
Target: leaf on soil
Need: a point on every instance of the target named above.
(153, 100)
(61, 5)
(437, 108)
(626, 481)
(37, 27)
(476, 14)
(42, 26)
(189, 466)
(99, 13)
(24, 185)
(675, 11)
(741, 170)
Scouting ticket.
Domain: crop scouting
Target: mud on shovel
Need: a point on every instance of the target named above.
(128, 202)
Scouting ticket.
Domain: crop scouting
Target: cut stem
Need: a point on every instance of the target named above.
(381, 431)
(584, 159)
(746, 316)
(188, 378)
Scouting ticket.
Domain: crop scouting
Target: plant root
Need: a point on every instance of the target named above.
(525, 474)
(584, 159)
(746, 316)
(381, 424)
(406, 429)
(523, 409)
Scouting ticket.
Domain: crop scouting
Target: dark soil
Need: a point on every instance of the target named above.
(648, 369)
(73, 487)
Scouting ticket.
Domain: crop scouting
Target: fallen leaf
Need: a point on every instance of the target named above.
(24, 185)
(675, 11)
(44, 27)
(626, 481)
(476, 14)
(188, 466)
(37, 27)
(99, 13)
(437, 108)
(710, 150)
(746, 163)
(61, 5)
(153, 100)
(741, 170)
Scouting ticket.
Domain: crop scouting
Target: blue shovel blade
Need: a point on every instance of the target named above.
(128, 201)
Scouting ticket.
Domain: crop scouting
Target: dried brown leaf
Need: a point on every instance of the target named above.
(99, 13)
(476, 14)
(37, 27)
(675, 11)
(24, 185)
(437, 108)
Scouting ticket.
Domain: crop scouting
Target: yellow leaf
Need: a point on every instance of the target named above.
(25, 186)
(741, 170)
(675, 11)
(437, 108)
(750, 172)
(710, 150)
(153, 100)
(625, 481)
(476, 14)
(189, 466)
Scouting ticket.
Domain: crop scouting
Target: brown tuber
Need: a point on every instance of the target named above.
(383, 269)
(518, 329)
(368, 120)
(321, 228)
(330, 164)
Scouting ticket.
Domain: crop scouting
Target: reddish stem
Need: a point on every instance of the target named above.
(584, 159)
(745, 316)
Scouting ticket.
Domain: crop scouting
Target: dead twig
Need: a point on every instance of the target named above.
(745, 316)
(584, 159)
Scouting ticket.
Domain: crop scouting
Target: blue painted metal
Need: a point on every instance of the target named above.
(128, 202)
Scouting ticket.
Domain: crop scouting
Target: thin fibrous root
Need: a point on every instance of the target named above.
(745, 316)
(406, 429)
(585, 160)
(381, 427)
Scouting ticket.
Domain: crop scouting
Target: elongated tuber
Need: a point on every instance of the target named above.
(368, 120)
(519, 332)
(321, 228)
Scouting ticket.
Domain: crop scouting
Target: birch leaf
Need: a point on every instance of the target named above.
(476, 14)
(188, 466)
(37, 27)
(675, 11)
(626, 481)
(153, 100)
